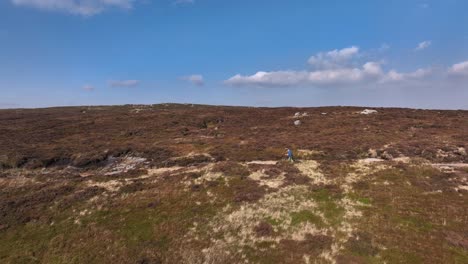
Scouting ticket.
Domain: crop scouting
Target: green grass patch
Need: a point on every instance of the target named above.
(459, 255)
(328, 206)
(306, 216)
(273, 222)
(414, 223)
(322, 195)
(399, 256)
(357, 198)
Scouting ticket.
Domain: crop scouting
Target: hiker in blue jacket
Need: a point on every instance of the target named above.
(290, 155)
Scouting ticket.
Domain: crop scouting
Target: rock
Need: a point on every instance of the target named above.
(368, 112)
(324, 113)
(297, 114)
(305, 114)
(461, 151)
(297, 122)
(387, 156)
(372, 153)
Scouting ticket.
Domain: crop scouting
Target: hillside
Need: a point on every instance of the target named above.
(174, 183)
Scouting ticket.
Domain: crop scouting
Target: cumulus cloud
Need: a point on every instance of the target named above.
(369, 73)
(195, 79)
(88, 88)
(423, 45)
(459, 69)
(77, 7)
(394, 76)
(332, 68)
(334, 58)
(124, 83)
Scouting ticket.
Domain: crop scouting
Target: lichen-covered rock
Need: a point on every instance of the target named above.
(387, 156)
(368, 112)
(372, 153)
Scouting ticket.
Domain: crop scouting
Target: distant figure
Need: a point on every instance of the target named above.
(290, 155)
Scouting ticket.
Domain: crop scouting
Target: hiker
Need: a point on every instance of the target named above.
(290, 155)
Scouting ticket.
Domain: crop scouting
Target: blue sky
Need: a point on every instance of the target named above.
(400, 53)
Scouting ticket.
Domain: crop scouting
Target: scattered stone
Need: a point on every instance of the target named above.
(387, 156)
(368, 112)
(122, 165)
(371, 160)
(297, 122)
(450, 166)
(461, 151)
(372, 153)
(402, 159)
(263, 162)
(299, 114)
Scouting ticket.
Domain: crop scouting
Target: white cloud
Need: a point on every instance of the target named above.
(339, 68)
(369, 73)
(459, 69)
(195, 79)
(393, 75)
(124, 83)
(333, 59)
(88, 88)
(423, 45)
(77, 7)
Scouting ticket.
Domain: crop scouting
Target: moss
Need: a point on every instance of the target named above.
(328, 206)
(321, 195)
(273, 222)
(357, 198)
(306, 216)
